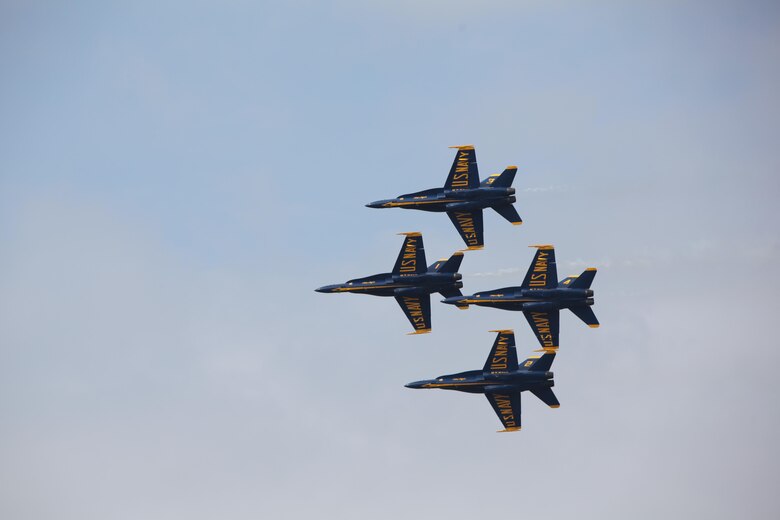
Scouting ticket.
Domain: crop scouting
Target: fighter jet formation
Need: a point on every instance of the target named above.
(540, 297)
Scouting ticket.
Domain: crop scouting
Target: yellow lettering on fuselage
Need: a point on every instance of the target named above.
(539, 274)
(414, 307)
(542, 323)
(504, 405)
(409, 260)
(500, 359)
(466, 225)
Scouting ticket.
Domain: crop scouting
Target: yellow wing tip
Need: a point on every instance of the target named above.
(591, 269)
(543, 246)
(410, 233)
(457, 253)
(593, 325)
(463, 146)
(551, 350)
(517, 223)
(421, 331)
(473, 248)
(503, 331)
(510, 429)
(462, 307)
(555, 406)
(511, 167)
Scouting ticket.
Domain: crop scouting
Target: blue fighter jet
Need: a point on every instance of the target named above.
(541, 297)
(463, 197)
(502, 380)
(410, 282)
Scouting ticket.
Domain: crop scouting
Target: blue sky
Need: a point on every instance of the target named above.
(176, 179)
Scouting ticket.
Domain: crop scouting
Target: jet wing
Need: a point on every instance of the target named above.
(411, 259)
(542, 274)
(469, 225)
(463, 174)
(503, 355)
(507, 407)
(418, 310)
(545, 325)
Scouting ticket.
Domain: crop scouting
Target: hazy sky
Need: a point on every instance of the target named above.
(177, 177)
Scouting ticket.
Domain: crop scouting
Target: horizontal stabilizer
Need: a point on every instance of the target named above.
(501, 180)
(451, 293)
(584, 280)
(585, 313)
(510, 213)
(547, 396)
(539, 363)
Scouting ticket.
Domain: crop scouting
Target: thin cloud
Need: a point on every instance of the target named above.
(555, 187)
(500, 272)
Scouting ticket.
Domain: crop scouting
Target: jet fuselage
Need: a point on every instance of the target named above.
(479, 382)
(521, 299)
(440, 199)
(387, 284)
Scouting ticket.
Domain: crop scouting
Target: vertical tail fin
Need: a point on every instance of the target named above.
(584, 280)
(539, 363)
(450, 265)
(501, 180)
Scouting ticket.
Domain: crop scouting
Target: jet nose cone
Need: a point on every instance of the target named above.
(416, 384)
(454, 300)
(376, 204)
(326, 288)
